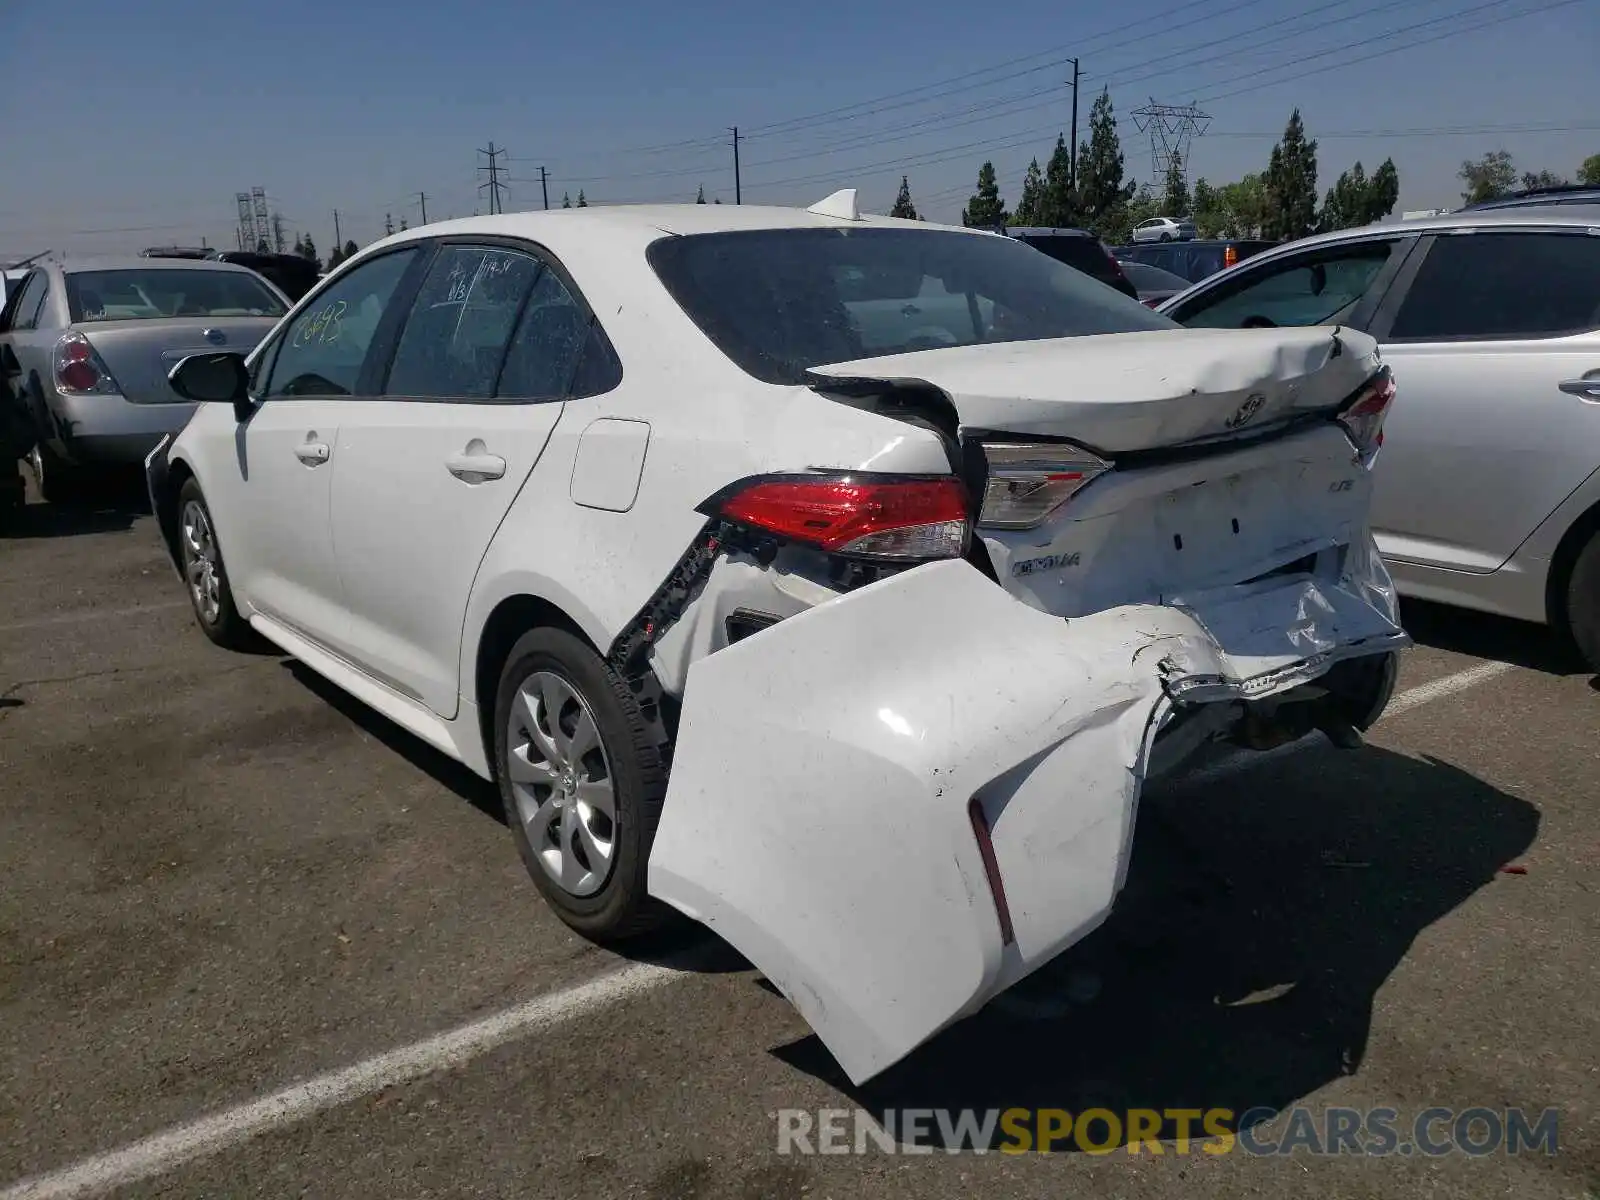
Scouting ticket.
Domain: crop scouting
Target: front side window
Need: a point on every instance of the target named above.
(780, 301)
(322, 350)
(1321, 288)
(460, 324)
(1503, 285)
(153, 293)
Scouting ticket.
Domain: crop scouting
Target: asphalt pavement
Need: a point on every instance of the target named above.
(255, 941)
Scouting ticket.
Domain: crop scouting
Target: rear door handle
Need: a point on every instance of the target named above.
(476, 468)
(312, 453)
(1587, 388)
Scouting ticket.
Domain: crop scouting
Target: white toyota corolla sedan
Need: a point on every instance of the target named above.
(835, 580)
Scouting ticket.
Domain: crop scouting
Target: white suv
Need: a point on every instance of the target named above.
(904, 552)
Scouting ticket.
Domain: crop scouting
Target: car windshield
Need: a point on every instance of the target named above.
(780, 301)
(146, 294)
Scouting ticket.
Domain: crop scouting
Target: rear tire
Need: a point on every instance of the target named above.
(205, 576)
(59, 482)
(571, 741)
(1166, 237)
(1583, 603)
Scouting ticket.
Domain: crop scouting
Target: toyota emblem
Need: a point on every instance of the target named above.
(1246, 412)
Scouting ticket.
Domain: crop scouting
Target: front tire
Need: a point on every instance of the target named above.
(1583, 603)
(205, 575)
(582, 780)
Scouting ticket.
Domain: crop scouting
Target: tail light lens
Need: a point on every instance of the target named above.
(1030, 480)
(79, 370)
(1363, 419)
(870, 516)
(1230, 255)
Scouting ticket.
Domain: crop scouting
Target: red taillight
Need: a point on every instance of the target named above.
(78, 368)
(991, 869)
(872, 516)
(1363, 420)
(1230, 255)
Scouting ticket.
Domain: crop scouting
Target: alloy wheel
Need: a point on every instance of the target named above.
(200, 562)
(560, 776)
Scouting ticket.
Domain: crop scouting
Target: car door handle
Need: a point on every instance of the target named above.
(1587, 388)
(476, 468)
(312, 453)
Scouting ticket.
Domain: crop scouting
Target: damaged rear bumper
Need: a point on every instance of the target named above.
(901, 802)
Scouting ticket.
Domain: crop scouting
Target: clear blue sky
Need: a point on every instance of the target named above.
(128, 125)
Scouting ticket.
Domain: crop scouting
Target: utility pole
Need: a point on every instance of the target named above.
(494, 185)
(338, 241)
(544, 187)
(422, 198)
(1072, 172)
(737, 198)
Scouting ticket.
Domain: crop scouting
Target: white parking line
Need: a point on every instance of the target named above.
(206, 1136)
(91, 614)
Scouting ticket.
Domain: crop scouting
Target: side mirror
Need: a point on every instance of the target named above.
(214, 379)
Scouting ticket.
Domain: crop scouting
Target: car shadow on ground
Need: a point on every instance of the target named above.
(1481, 635)
(1240, 966)
(678, 942)
(110, 507)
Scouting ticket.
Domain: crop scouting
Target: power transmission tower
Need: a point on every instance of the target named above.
(258, 201)
(494, 185)
(1172, 129)
(738, 197)
(247, 221)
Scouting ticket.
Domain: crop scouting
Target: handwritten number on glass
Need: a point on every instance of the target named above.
(322, 328)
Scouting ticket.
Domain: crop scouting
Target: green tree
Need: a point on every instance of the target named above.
(350, 249)
(903, 207)
(1383, 191)
(404, 224)
(1589, 172)
(566, 200)
(1175, 191)
(1209, 215)
(308, 251)
(1031, 205)
(1143, 205)
(985, 209)
(1244, 207)
(299, 246)
(1487, 177)
(1345, 205)
(1291, 183)
(1543, 179)
(1103, 196)
(701, 197)
(583, 201)
(1058, 205)
(334, 259)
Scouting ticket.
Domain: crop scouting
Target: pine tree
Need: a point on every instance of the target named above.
(566, 200)
(1207, 209)
(1058, 205)
(350, 249)
(404, 225)
(1031, 205)
(701, 197)
(334, 259)
(1383, 191)
(582, 203)
(299, 245)
(903, 207)
(1102, 194)
(308, 251)
(1175, 191)
(1291, 184)
(985, 209)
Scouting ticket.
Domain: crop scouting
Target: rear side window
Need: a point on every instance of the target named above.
(134, 295)
(1503, 285)
(1080, 252)
(23, 311)
(461, 323)
(551, 338)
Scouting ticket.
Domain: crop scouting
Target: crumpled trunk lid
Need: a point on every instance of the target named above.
(1119, 392)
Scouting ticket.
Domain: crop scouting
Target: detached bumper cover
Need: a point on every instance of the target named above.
(818, 812)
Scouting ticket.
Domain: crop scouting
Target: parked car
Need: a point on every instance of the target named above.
(1195, 260)
(1567, 193)
(663, 519)
(1164, 229)
(1077, 248)
(87, 346)
(1152, 283)
(291, 274)
(1489, 495)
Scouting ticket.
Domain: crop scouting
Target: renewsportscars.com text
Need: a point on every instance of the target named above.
(1376, 1132)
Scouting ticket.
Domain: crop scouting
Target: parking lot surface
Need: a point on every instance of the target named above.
(254, 941)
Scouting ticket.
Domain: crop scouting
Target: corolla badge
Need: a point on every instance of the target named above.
(215, 336)
(1246, 412)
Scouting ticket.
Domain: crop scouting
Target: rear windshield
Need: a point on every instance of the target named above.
(780, 301)
(1081, 252)
(140, 293)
